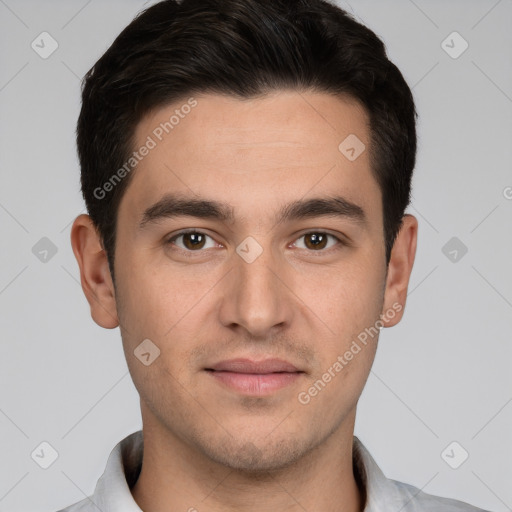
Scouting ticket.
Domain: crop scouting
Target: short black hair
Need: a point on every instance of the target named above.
(245, 49)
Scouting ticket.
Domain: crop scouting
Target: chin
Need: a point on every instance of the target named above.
(258, 457)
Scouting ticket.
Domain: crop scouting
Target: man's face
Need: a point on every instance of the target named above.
(259, 285)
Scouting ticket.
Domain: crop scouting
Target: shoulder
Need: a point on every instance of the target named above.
(384, 494)
(415, 500)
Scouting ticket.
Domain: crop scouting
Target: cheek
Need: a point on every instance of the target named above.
(346, 298)
(332, 393)
(155, 307)
(346, 302)
(167, 305)
(151, 298)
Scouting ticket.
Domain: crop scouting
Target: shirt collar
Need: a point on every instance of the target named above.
(112, 492)
(381, 493)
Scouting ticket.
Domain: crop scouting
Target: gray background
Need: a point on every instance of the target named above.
(442, 375)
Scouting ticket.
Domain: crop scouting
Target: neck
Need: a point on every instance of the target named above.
(175, 476)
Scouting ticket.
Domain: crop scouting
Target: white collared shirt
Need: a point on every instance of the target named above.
(112, 492)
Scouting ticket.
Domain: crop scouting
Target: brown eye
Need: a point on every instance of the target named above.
(193, 240)
(190, 241)
(315, 240)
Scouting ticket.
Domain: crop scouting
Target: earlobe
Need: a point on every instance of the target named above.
(94, 272)
(399, 271)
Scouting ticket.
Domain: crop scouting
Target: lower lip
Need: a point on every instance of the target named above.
(255, 384)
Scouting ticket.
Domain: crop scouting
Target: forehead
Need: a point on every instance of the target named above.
(284, 143)
(283, 119)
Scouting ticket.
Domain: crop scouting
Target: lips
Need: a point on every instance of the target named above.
(256, 367)
(254, 378)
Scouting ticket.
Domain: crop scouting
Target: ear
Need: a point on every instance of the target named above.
(399, 271)
(95, 275)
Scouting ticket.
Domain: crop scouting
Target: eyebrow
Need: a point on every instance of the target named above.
(173, 206)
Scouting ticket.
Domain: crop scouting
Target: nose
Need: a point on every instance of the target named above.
(257, 296)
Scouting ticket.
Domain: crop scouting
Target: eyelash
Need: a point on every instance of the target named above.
(339, 245)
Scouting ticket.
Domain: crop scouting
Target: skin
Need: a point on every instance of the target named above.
(208, 447)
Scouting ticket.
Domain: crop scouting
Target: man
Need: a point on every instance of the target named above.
(246, 166)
